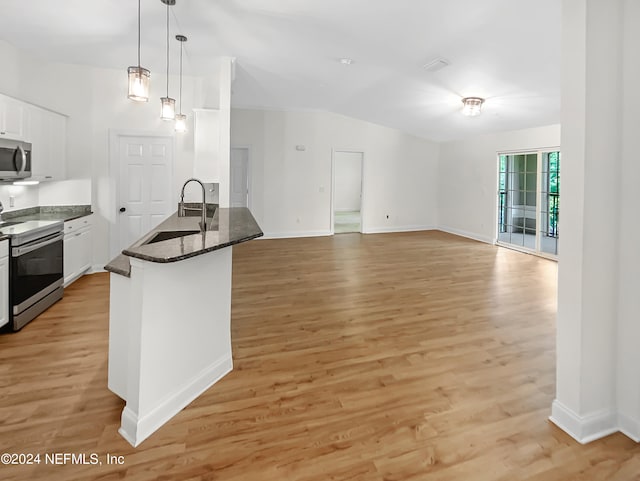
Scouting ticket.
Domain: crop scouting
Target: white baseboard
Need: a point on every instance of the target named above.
(135, 429)
(468, 235)
(584, 429)
(402, 228)
(289, 235)
(629, 427)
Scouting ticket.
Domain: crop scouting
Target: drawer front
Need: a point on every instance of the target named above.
(4, 248)
(74, 225)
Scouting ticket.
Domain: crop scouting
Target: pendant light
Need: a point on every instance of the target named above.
(168, 111)
(138, 76)
(181, 119)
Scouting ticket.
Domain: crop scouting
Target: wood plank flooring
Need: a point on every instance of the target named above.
(412, 356)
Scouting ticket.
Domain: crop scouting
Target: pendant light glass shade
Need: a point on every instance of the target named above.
(181, 123)
(139, 84)
(168, 111)
(138, 76)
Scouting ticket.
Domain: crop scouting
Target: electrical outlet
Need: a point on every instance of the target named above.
(12, 201)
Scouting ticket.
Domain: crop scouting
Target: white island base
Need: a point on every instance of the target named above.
(169, 337)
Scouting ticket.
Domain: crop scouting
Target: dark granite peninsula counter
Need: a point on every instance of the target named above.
(179, 238)
(170, 316)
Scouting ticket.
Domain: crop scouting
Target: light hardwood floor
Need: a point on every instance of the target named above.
(413, 356)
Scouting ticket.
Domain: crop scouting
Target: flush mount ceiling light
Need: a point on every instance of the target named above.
(346, 61)
(138, 76)
(168, 110)
(181, 119)
(472, 106)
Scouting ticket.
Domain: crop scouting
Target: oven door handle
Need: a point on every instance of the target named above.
(18, 251)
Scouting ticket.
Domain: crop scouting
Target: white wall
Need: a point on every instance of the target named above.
(291, 189)
(348, 181)
(65, 192)
(468, 176)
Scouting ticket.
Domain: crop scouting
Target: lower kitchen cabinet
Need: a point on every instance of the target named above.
(4, 282)
(77, 248)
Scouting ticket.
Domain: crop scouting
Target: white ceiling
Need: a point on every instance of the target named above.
(288, 51)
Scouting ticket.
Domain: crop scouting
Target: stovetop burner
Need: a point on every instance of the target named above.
(23, 232)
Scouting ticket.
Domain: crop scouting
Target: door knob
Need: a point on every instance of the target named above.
(123, 209)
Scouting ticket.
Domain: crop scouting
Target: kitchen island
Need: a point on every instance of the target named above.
(170, 316)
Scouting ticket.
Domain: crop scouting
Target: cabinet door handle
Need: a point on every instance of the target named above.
(123, 209)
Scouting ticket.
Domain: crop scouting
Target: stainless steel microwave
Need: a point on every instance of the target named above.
(15, 159)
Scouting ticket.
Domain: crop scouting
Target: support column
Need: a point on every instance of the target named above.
(628, 349)
(587, 336)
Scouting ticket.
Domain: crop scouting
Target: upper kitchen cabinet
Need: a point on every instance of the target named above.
(12, 118)
(206, 139)
(47, 133)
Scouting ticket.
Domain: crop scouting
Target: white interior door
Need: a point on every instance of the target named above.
(146, 171)
(239, 177)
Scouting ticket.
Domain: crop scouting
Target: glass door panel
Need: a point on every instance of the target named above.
(550, 202)
(517, 191)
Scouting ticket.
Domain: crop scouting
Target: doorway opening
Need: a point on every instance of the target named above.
(239, 177)
(347, 191)
(529, 201)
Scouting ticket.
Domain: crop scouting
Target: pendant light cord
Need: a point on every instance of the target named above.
(138, 34)
(167, 50)
(181, 48)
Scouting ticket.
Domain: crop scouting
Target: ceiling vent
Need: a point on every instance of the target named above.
(436, 64)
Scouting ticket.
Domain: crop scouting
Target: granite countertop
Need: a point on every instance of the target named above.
(51, 212)
(227, 227)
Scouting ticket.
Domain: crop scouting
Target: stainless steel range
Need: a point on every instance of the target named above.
(36, 269)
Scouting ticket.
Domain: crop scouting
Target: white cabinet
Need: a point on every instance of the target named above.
(13, 115)
(206, 144)
(47, 132)
(77, 248)
(4, 282)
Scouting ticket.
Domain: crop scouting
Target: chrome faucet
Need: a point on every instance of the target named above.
(203, 208)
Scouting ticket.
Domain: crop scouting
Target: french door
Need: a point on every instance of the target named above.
(529, 201)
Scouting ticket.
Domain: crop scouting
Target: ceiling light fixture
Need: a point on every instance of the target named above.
(181, 119)
(346, 61)
(168, 111)
(472, 106)
(138, 76)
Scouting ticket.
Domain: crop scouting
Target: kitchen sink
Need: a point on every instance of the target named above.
(170, 234)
